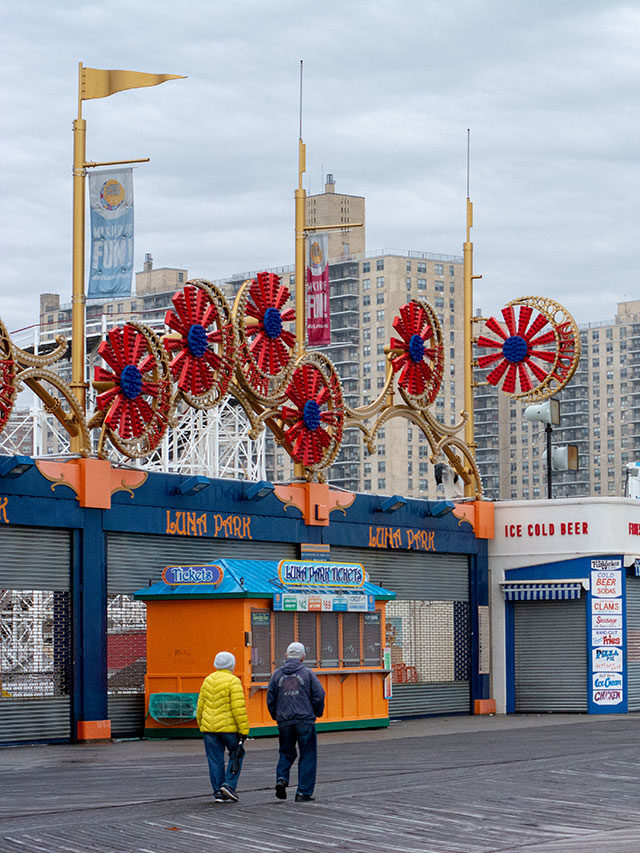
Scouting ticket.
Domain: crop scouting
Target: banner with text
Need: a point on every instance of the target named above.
(111, 201)
(317, 294)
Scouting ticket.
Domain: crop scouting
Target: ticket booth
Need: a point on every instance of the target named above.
(254, 609)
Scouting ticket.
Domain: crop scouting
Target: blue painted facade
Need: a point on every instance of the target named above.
(605, 648)
(219, 511)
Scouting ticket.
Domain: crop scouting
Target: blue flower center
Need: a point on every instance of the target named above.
(131, 381)
(272, 322)
(197, 340)
(416, 348)
(515, 349)
(311, 415)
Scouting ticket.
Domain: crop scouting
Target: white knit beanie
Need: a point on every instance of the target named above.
(224, 660)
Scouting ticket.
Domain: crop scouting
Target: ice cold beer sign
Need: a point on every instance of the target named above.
(607, 636)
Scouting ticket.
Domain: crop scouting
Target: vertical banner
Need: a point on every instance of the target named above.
(111, 201)
(317, 293)
(607, 670)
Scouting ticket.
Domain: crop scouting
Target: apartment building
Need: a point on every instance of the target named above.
(599, 413)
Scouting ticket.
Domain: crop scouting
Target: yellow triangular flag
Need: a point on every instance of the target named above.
(99, 83)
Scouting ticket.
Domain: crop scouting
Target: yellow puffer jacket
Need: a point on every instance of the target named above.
(221, 706)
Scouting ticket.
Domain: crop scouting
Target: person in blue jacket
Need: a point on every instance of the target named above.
(295, 698)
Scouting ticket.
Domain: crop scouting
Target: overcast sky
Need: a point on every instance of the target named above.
(550, 91)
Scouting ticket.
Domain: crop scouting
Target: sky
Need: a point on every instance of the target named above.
(549, 90)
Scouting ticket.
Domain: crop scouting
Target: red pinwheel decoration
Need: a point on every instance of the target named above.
(7, 378)
(418, 355)
(527, 350)
(266, 346)
(204, 343)
(135, 395)
(313, 424)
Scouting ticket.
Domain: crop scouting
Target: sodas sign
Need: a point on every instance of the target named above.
(606, 584)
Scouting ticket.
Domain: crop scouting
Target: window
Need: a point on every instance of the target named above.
(366, 266)
(408, 266)
(380, 281)
(380, 315)
(380, 332)
(422, 284)
(452, 270)
(380, 365)
(380, 299)
(408, 284)
(380, 264)
(422, 267)
(382, 483)
(382, 466)
(329, 632)
(366, 316)
(438, 269)
(366, 284)
(181, 277)
(260, 645)
(380, 349)
(366, 350)
(439, 286)
(366, 334)
(366, 299)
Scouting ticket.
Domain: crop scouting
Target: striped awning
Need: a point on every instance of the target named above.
(541, 590)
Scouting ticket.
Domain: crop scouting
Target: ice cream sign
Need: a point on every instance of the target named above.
(608, 640)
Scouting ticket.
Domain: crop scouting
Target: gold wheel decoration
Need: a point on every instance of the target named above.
(536, 348)
(7, 377)
(135, 396)
(312, 418)
(202, 344)
(266, 347)
(418, 354)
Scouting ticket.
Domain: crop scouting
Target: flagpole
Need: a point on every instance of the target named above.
(469, 277)
(300, 202)
(78, 384)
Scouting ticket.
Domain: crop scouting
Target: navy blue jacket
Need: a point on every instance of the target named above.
(294, 694)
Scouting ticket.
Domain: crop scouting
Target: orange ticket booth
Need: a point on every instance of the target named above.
(254, 609)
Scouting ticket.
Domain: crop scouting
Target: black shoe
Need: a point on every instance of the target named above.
(281, 789)
(229, 794)
(304, 798)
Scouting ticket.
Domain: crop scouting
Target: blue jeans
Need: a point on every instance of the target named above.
(214, 746)
(304, 735)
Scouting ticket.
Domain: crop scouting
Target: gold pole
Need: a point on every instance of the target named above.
(300, 214)
(78, 384)
(470, 487)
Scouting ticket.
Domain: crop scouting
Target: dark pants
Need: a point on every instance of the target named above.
(304, 736)
(215, 744)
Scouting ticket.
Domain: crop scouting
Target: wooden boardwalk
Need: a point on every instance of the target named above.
(463, 785)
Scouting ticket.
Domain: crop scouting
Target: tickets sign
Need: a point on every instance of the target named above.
(193, 575)
(304, 573)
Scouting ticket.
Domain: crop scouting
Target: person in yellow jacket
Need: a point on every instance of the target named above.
(222, 717)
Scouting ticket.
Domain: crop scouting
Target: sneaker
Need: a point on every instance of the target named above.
(304, 798)
(229, 794)
(218, 798)
(281, 789)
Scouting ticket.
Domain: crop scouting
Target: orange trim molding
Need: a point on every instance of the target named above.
(94, 729)
(484, 706)
(314, 500)
(480, 515)
(93, 480)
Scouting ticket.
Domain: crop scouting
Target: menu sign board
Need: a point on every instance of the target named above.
(607, 689)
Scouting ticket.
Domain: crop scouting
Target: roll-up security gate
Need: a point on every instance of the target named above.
(633, 642)
(550, 653)
(133, 561)
(35, 634)
(427, 627)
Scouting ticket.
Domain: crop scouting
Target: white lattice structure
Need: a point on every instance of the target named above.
(215, 443)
